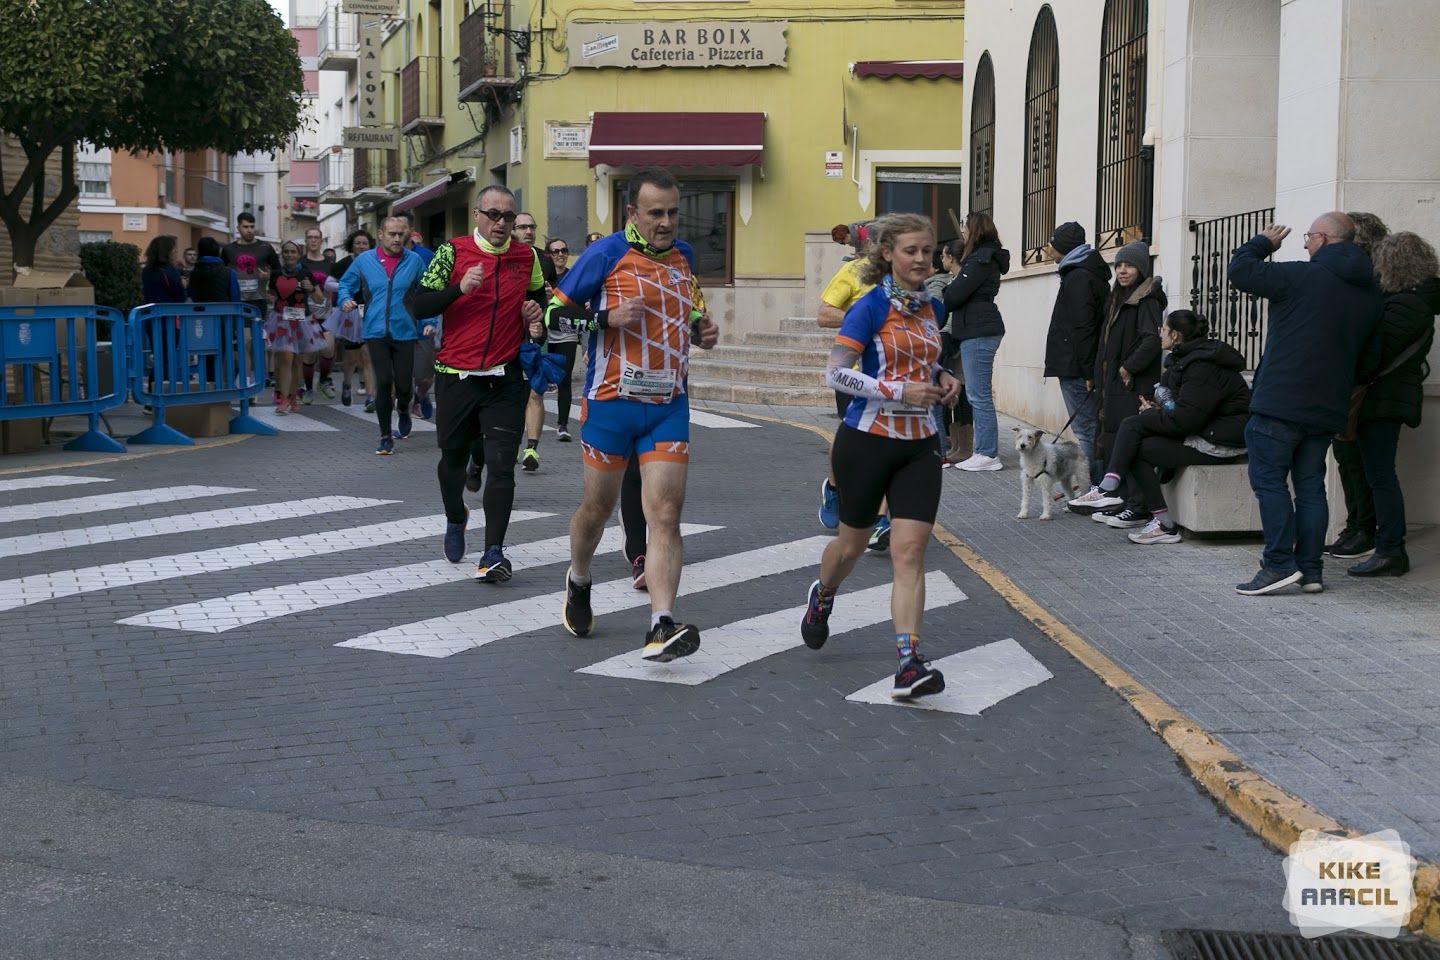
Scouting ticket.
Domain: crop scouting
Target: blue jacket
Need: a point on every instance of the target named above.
(384, 297)
(1322, 315)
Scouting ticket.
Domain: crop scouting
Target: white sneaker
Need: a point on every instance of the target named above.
(979, 462)
(1096, 499)
(1155, 533)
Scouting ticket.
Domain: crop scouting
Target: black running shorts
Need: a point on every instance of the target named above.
(474, 407)
(871, 468)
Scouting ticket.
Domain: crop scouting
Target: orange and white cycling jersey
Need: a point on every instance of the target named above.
(896, 347)
(648, 363)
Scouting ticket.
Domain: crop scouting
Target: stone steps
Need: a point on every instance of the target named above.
(786, 368)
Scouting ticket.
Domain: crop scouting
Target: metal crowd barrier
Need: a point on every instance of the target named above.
(53, 366)
(192, 353)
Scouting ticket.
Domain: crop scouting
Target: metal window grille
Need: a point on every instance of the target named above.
(1237, 318)
(1042, 120)
(1122, 193)
(982, 138)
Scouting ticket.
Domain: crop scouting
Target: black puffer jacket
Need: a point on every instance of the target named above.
(1130, 338)
(970, 297)
(1212, 399)
(1075, 321)
(1409, 316)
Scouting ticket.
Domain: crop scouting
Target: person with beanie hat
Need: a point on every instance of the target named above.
(1075, 332)
(1127, 364)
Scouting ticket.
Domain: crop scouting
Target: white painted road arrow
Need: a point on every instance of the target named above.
(974, 680)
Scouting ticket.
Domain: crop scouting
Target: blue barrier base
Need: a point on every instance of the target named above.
(245, 423)
(93, 441)
(162, 433)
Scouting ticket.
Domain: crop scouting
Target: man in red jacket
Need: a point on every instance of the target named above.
(490, 291)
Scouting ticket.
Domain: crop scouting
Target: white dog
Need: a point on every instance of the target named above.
(1045, 464)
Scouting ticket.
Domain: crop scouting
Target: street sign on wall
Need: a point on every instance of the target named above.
(566, 140)
(381, 7)
(371, 36)
(372, 138)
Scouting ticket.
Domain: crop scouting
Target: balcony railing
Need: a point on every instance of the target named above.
(210, 195)
(338, 39)
(420, 96)
(485, 60)
(336, 175)
(374, 169)
(1237, 318)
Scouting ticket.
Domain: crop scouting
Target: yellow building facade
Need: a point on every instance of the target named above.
(780, 120)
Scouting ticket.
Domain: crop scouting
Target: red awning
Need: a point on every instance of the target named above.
(677, 139)
(910, 69)
(433, 191)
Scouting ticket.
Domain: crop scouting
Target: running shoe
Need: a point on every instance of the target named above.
(494, 567)
(345, 394)
(562, 433)
(530, 459)
(369, 404)
(1127, 518)
(979, 463)
(916, 678)
(1095, 499)
(405, 426)
(282, 407)
(829, 506)
(637, 573)
(387, 446)
(1155, 532)
(278, 398)
(1267, 581)
(307, 397)
(880, 536)
(1312, 585)
(578, 618)
(427, 407)
(455, 539)
(474, 477)
(1103, 516)
(327, 389)
(668, 640)
(815, 626)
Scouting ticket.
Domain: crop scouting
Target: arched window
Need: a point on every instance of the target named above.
(1042, 119)
(982, 138)
(1123, 189)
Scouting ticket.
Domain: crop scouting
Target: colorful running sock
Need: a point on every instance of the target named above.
(907, 645)
(1111, 483)
(655, 617)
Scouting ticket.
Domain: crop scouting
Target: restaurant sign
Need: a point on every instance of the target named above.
(732, 43)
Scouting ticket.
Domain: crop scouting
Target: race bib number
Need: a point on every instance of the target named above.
(294, 313)
(641, 383)
(896, 409)
(249, 288)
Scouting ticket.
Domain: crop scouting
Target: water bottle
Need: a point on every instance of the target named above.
(1164, 397)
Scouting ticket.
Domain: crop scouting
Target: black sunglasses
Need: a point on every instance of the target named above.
(507, 215)
(559, 249)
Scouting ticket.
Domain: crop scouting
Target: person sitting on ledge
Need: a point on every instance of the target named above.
(1197, 416)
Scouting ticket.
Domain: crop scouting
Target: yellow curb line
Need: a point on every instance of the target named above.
(1276, 816)
(117, 457)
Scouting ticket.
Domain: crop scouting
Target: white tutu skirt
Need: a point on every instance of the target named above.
(346, 325)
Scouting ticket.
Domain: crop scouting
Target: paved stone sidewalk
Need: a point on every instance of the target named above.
(1332, 697)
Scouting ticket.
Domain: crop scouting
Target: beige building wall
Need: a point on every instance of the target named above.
(188, 196)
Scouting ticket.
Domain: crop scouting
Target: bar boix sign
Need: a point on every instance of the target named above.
(721, 43)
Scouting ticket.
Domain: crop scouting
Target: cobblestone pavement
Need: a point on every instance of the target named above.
(1057, 800)
(1332, 697)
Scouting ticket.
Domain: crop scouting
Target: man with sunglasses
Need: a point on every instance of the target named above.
(489, 291)
(635, 294)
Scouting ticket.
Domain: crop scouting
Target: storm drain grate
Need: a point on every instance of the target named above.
(1215, 945)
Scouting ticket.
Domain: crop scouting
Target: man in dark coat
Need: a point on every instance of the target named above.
(1322, 313)
(1074, 332)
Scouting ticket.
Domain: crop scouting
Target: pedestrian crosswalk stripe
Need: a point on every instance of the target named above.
(41, 483)
(735, 645)
(222, 614)
(182, 523)
(975, 680)
(420, 426)
(40, 587)
(111, 501)
(291, 422)
(458, 632)
(700, 418)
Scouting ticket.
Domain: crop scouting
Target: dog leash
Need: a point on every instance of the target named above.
(1074, 415)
